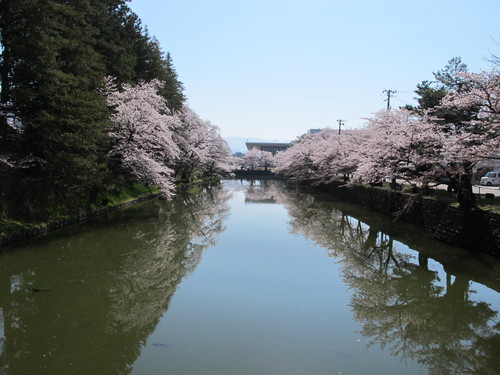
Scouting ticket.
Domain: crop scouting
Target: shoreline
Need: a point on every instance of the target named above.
(473, 229)
(43, 228)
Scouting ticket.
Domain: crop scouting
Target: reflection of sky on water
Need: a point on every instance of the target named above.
(265, 301)
(476, 289)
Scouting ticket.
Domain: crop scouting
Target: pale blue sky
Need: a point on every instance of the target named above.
(274, 69)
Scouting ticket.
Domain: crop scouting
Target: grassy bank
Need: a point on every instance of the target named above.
(13, 229)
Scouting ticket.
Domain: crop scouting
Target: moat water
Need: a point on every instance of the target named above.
(247, 277)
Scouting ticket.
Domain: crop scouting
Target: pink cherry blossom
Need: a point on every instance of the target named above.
(254, 159)
(143, 134)
(157, 146)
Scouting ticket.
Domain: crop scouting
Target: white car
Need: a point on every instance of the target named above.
(491, 178)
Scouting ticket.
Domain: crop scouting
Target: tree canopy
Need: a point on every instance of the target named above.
(62, 129)
(455, 126)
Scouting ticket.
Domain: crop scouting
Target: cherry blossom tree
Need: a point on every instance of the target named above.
(193, 141)
(400, 144)
(478, 137)
(395, 144)
(319, 157)
(155, 145)
(219, 161)
(142, 134)
(254, 159)
(334, 154)
(409, 145)
(420, 148)
(295, 163)
(203, 150)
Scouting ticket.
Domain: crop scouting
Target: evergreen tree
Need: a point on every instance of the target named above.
(429, 96)
(172, 89)
(117, 33)
(55, 57)
(152, 63)
(431, 93)
(149, 56)
(55, 77)
(449, 77)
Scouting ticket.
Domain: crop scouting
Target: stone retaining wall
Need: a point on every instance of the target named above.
(474, 229)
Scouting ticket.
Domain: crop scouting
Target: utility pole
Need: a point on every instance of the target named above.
(341, 122)
(389, 94)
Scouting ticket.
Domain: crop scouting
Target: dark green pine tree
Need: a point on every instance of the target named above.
(430, 93)
(117, 26)
(152, 63)
(55, 57)
(55, 80)
(173, 89)
(148, 54)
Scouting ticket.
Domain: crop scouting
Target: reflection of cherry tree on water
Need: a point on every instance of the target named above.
(263, 191)
(174, 249)
(110, 292)
(401, 304)
(401, 307)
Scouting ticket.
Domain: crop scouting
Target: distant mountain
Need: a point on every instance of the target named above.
(237, 144)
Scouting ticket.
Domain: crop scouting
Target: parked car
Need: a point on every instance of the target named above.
(491, 178)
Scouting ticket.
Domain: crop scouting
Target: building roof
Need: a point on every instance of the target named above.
(268, 144)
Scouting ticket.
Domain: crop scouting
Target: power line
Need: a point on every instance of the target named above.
(402, 101)
(376, 102)
(368, 108)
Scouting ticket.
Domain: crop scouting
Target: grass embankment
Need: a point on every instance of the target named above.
(488, 204)
(127, 194)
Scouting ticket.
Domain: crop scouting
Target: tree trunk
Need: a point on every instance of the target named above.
(465, 195)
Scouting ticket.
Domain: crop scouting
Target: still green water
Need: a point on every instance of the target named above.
(249, 277)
